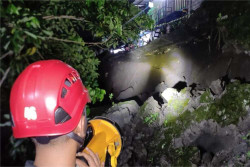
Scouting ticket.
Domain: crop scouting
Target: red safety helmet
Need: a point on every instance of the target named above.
(47, 99)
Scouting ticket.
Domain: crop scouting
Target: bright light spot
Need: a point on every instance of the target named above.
(114, 51)
(169, 93)
(146, 38)
(175, 54)
(50, 103)
(150, 4)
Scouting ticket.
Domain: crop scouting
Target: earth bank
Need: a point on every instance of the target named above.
(191, 127)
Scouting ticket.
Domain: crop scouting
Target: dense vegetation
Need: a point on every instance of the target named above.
(71, 31)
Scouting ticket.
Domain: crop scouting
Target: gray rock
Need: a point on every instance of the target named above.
(151, 109)
(160, 87)
(243, 158)
(164, 162)
(178, 143)
(143, 96)
(220, 157)
(248, 163)
(123, 112)
(244, 125)
(196, 130)
(189, 137)
(216, 87)
(196, 158)
(223, 142)
(207, 158)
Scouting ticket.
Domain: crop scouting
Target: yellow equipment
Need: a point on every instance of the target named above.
(104, 137)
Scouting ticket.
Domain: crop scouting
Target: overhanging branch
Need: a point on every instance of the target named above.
(75, 42)
(6, 54)
(4, 76)
(63, 17)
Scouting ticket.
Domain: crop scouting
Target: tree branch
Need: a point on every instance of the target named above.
(63, 17)
(6, 54)
(4, 76)
(61, 40)
(75, 42)
(40, 55)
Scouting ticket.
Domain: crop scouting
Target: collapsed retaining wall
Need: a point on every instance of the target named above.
(207, 127)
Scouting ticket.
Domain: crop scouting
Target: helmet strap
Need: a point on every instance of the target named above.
(77, 138)
(45, 139)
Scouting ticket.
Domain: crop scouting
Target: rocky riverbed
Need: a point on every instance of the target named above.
(190, 96)
(198, 127)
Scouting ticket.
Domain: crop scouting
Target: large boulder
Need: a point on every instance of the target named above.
(151, 113)
(123, 112)
(170, 59)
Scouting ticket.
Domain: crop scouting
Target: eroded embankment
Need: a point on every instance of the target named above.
(190, 127)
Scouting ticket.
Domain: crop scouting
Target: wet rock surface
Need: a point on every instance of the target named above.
(219, 144)
(136, 134)
(193, 127)
(169, 61)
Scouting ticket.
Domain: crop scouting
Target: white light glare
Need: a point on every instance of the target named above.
(169, 93)
(150, 4)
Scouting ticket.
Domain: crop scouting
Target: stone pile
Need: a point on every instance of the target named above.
(188, 127)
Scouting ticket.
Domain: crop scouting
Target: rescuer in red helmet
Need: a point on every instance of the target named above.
(47, 103)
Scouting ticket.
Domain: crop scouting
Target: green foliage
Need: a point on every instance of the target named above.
(247, 138)
(51, 30)
(96, 94)
(183, 155)
(87, 110)
(19, 146)
(71, 31)
(235, 24)
(178, 105)
(111, 96)
(227, 22)
(225, 111)
(151, 118)
(206, 97)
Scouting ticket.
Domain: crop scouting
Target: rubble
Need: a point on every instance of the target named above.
(205, 129)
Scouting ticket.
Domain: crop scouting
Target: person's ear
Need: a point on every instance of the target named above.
(80, 130)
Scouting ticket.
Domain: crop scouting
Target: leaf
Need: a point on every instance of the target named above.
(92, 92)
(31, 51)
(111, 96)
(30, 34)
(111, 25)
(88, 111)
(6, 45)
(6, 116)
(8, 123)
(119, 29)
(49, 33)
(13, 30)
(35, 23)
(88, 2)
(99, 33)
(28, 24)
(12, 9)
(100, 4)
(18, 142)
(3, 30)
